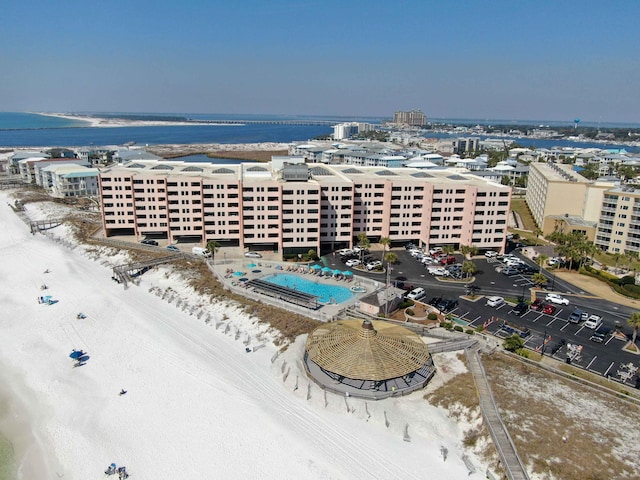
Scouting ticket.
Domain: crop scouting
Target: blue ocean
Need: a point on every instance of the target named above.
(34, 130)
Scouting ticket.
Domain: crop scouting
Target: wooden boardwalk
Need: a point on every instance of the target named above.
(502, 440)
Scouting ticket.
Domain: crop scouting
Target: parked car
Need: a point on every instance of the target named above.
(374, 264)
(593, 322)
(537, 304)
(345, 251)
(446, 305)
(410, 246)
(448, 260)
(490, 254)
(527, 269)
(521, 308)
(600, 335)
(203, 252)
(147, 241)
(252, 255)
(557, 299)
(173, 248)
(438, 271)
(434, 301)
(435, 250)
(495, 301)
(352, 262)
(417, 293)
(510, 271)
(549, 310)
(575, 316)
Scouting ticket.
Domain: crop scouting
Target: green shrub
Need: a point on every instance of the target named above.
(627, 280)
(447, 325)
(458, 328)
(480, 328)
(523, 352)
(470, 331)
(405, 304)
(409, 312)
(432, 316)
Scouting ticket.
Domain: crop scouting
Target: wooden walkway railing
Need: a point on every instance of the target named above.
(511, 461)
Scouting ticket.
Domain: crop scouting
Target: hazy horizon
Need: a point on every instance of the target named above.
(545, 60)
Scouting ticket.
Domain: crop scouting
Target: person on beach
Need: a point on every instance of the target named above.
(123, 392)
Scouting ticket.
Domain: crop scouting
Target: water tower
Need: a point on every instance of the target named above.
(576, 121)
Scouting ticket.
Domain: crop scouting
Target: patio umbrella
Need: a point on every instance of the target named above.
(251, 265)
(347, 272)
(316, 267)
(337, 272)
(238, 274)
(326, 269)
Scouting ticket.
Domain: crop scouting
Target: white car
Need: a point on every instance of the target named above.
(490, 254)
(427, 260)
(416, 293)
(374, 264)
(435, 250)
(593, 322)
(354, 262)
(495, 301)
(345, 251)
(438, 271)
(253, 255)
(557, 299)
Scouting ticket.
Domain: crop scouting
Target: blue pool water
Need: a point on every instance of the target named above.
(314, 287)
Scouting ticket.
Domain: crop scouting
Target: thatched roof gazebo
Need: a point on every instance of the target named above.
(372, 359)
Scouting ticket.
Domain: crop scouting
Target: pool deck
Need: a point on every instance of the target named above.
(256, 268)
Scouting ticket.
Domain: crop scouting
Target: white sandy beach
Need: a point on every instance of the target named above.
(197, 405)
(95, 121)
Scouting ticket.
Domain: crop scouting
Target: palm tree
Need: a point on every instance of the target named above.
(539, 279)
(212, 248)
(634, 321)
(363, 243)
(541, 259)
(469, 268)
(385, 242)
(448, 249)
(390, 257)
(537, 232)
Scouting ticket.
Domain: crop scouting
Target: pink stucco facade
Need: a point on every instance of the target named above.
(254, 206)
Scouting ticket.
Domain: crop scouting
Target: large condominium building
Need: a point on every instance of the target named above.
(619, 225)
(558, 197)
(295, 207)
(414, 118)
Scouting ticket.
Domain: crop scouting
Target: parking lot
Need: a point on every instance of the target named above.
(561, 338)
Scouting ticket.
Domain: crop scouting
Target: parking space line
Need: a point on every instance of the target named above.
(537, 318)
(475, 320)
(552, 320)
(592, 360)
(558, 312)
(607, 371)
(562, 328)
(579, 330)
(607, 342)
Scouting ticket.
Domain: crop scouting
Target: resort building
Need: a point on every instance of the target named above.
(413, 118)
(295, 207)
(556, 192)
(619, 224)
(70, 180)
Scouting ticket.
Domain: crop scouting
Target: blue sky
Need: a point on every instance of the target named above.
(546, 60)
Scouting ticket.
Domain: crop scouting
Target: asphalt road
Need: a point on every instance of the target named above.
(607, 359)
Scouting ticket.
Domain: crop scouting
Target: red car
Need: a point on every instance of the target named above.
(448, 260)
(549, 309)
(537, 304)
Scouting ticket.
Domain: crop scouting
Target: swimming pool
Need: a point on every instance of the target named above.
(326, 293)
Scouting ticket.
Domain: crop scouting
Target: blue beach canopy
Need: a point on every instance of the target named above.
(316, 267)
(326, 269)
(347, 272)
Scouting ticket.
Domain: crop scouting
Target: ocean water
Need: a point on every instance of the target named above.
(33, 130)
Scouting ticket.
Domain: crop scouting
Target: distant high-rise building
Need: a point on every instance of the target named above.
(414, 118)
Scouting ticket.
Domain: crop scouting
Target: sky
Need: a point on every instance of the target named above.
(525, 59)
